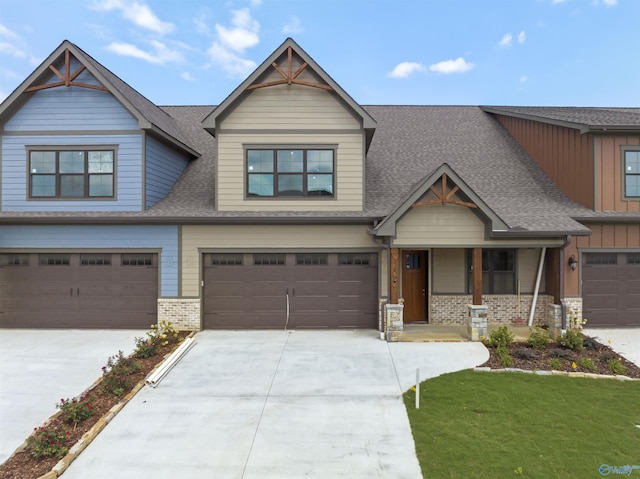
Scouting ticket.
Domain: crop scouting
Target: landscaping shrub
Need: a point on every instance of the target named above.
(525, 353)
(501, 337)
(75, 410)
(556, 363)
(588, 364)
(146, 347)
(616, 366)
(116, 374)
(591, 344)
(47, 441)
(505, 358)
(572, 340)
(561, 353)
(538, 338)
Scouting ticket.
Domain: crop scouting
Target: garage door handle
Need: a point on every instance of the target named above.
(294, 291)
(78, 291)
(70, 291)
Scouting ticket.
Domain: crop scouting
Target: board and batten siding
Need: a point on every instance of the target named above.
(164, 166)
(72, 109)
(96, 238)
(246, 238)
(451, 225)
(306, 116)
(449, 274)
(610, 174)
(128, 181)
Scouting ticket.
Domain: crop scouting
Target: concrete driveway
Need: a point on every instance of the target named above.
(625, 341)
(39, 367)
(275, 404)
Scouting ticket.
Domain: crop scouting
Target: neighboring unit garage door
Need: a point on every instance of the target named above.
(611, 289)
(274, 291)
(65, 290)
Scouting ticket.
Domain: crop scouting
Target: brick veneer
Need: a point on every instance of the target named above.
(183, 313)
(502, 308)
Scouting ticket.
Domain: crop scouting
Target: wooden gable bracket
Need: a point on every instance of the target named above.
(444, 198)
(289, 77)
(68, 78)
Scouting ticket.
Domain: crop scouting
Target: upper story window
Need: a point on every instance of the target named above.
(71, 174)
(631, 173)
(290, 172)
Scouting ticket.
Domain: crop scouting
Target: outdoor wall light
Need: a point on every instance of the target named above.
(573, 262)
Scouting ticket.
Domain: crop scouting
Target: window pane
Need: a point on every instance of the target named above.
(71, 186)
(95, 259)
(100, 162)
(320, 185)
(226, 259)
(43, 185)
(260, 161)
(320, 161)
(348, 259)
(14, 260)
(43, 162)
(632, 185)
(72, 162)
(137, 259)
(503, 283)
(290, 161)
(290, 185)
(311, 259)
(273, 259)
(54, 259)
(502, 261)
(100, 185)
(260, 185)
(632, 162)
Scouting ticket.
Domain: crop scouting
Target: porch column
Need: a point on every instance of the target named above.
(552, 265)
(393, 260)
(477, 276)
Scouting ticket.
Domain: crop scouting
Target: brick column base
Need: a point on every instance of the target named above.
(394, 321)
(477, 325)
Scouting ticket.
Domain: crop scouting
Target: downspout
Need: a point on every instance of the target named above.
(534, 302)
(561, 286)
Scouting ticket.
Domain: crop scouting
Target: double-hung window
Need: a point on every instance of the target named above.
(71, 174)
(631, 160)
(498, 271)
(290, 172)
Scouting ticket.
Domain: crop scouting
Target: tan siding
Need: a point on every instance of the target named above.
(263, 237)
(448, 271)
(448, 226)
(563, 153)
(231, 173)
(528, 260)
(290, 107)
(610, 173)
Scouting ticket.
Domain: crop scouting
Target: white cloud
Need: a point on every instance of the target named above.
(137, 12)
(607, 3)
(244, 33)
(555, 2)
(523, 78)
(404, 69)
(256, 3)
(12, 50)
(5, 32)
(522, 36)
(293, 27)
(159, 56)
(186, 76)
(231, 43)
(459, 65)
(506, 40)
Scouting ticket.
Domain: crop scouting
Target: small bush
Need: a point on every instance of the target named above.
(538, 338)
(572, 340)
(616, 366)
(47, 441)
(561, 353)
(525, 353)
(116, 374)
(556, 363)
(591, 344)
(588, 364)
(165, 332)
(505, 358)
(75, 410)
(147, 347)
(501, 337)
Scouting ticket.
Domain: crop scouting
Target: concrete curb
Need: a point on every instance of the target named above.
(86, 439)
(555, 373)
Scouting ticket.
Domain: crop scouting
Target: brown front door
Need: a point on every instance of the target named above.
(414, 285)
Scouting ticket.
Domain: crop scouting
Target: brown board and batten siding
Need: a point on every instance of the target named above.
(609, 173)
(563, 153)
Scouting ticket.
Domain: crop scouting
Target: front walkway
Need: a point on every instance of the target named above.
(420, 332)
(276, 404)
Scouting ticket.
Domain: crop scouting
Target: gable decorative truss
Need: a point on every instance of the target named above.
(149, 117)
(438, 183)
(289, 77)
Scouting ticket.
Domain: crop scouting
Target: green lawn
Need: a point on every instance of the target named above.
(488, 425)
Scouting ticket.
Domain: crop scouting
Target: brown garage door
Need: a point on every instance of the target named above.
(64, 290)
(277, 290)
(611, 289)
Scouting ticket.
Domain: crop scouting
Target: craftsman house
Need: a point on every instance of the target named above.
(289, 205)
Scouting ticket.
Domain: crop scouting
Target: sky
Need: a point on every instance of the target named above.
(381, 52)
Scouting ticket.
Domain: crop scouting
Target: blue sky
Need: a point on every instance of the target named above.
(426, 52)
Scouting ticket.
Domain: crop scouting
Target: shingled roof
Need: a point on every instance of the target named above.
(581, 118)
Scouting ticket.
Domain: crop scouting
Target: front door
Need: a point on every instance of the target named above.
(414, 285)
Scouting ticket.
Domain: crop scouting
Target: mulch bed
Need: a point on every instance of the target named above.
(542, 362)
(22, 465)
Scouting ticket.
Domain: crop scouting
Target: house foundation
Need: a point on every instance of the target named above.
(184, 313)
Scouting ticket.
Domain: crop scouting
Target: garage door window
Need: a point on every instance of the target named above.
(226, 260)
(353, 259)
(269, 259)
(137, 260)
(14, 260)
(633, 258)
(54, 259)
(602, 258)
(311, 259)
(95, 259)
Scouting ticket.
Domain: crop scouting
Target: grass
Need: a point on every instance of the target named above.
(495, 425)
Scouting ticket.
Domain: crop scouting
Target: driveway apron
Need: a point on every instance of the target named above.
(275, 404)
